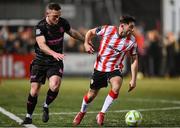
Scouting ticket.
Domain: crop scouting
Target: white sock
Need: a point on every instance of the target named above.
(29, 115)
(84, 106)
(45, 105)
(108, 101)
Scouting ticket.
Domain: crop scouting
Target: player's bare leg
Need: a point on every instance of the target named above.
(32, 101)
(54, 84)
(113, 94)
(88, 98)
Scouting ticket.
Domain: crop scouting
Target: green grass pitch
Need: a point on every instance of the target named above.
(157, 99)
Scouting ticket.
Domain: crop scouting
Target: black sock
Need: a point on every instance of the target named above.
(31, 104)
(51, 96)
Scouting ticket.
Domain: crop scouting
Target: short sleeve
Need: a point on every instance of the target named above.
(100, 30)
(133, 50)
(67, 26)
(38, 31)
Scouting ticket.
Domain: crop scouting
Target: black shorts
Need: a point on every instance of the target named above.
(39, 73)
(100, 79)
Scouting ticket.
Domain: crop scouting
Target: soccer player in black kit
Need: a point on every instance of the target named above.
(48, 62)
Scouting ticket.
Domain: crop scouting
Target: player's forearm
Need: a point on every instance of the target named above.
(76, 35)
(88, 37)
(134, 69)
(46, 49)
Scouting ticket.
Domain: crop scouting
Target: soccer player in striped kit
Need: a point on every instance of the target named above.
(115, 43)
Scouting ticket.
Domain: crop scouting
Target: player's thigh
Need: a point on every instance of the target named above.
(116, 80)
(54, 80)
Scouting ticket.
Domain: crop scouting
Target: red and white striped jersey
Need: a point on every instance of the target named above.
(113, 49)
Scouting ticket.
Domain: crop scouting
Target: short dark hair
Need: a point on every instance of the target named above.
(126, 19)
(54, 6)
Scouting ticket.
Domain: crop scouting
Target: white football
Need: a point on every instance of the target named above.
(133, 118)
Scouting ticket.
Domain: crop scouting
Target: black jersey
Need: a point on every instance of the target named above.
(54, 35)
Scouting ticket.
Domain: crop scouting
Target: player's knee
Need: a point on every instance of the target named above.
(54, 86)
(34, 93)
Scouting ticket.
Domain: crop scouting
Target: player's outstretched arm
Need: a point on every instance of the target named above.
(88, 43)
(42, 45)
(134, 70)
(76, 35)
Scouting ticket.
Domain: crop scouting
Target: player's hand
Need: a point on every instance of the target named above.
(89, 47)
(58, 56)
(132, 85)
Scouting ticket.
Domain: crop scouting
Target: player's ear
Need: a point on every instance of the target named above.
(122, 25)
(46, 14)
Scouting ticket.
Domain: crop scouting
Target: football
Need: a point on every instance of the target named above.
(133, 118)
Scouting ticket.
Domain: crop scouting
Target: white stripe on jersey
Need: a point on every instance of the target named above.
(113, 49)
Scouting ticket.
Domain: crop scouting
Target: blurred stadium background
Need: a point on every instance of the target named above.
(157, 34)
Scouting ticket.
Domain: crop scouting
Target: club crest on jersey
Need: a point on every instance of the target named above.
(61, 29)
(49, 33)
